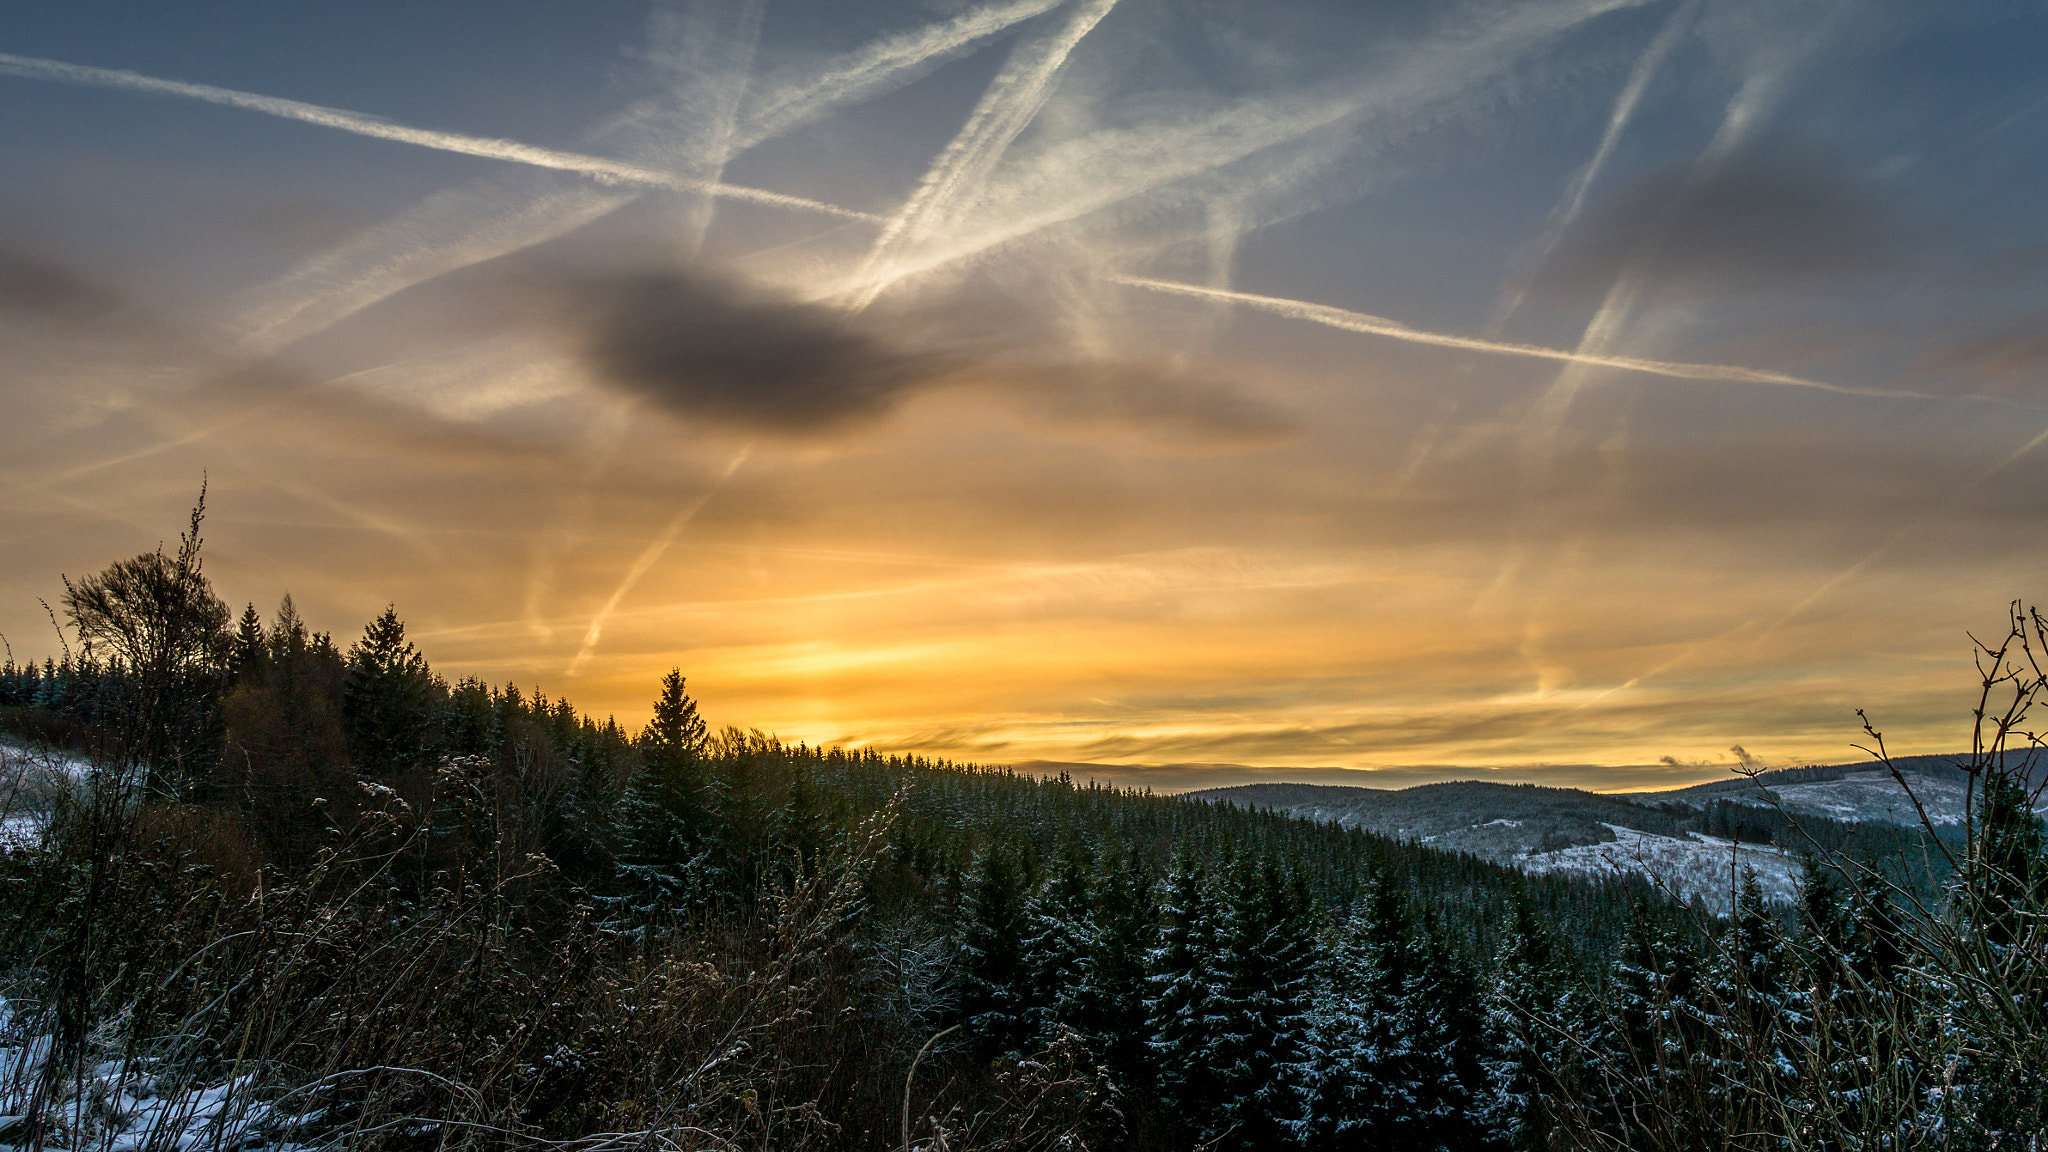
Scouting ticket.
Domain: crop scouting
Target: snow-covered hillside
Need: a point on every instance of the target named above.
(1876, 798)
(1683, 840)
(1865, 793)
(1689, 867)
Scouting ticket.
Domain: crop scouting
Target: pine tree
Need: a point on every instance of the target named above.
(1366, 1087)
(1113, 1011)
(672, 857)
(676, 727)
(250, 648)
(388, 699)
(1058, 946)
(996, 990)
(2009, 869)
(1440, 1017)
(1524, 1016)
(1266, 958)
(285, 763)
(1183, 1006)
(1754, 993)
(1658, 1043)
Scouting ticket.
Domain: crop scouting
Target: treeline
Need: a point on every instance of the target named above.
(322, 896)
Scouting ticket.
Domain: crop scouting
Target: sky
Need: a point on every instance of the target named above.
(1590, 392)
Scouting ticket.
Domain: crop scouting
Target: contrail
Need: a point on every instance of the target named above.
(441, 234)
(2009, 461)
(595, 167)
(1013, 99)
(1074, 178)
(690, 130)
(446, 231)
(1381, 326)
(876, 67)
(1835, 581)
(648, 557)
(1574, 199)
(1746, 109)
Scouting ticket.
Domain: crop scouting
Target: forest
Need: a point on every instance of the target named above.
(263, 889)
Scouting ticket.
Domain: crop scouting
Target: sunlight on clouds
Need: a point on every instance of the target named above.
(1014, 383)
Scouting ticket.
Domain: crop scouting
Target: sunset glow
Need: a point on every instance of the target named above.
(1565, 390)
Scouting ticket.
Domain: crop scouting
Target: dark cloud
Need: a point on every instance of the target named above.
(717, 349)
(1775, 217)
(32, 286)
(711, 347)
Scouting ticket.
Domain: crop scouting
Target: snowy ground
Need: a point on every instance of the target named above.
(1698, 865)
(125, 1111)
(29, 783)
(1876, 798)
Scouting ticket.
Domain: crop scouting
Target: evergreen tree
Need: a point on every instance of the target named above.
(1366, 1083)
(1266, 957)
(388, 699)
(996, 998)
(669, 812)
(285, 763)
(1113, 1009)
(1651, 1060)
(1753, 989)
(1058, 946)
(1525, 1013)
(1875, 950)
(1186, 978)
(250, 648)
(2010, 865)
(676, 728)
(1441, 1020)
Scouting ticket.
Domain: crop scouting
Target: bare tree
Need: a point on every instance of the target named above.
(158, 618)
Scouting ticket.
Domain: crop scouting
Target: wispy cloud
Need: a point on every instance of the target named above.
(457, 228)
(1746, 111)
(447, 231)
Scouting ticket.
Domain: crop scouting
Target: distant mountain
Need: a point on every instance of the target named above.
(1863, 792)
(1696, 841)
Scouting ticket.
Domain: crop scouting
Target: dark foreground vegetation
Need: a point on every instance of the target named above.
(261, 891)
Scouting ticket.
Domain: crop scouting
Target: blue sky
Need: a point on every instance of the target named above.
(1106, 381)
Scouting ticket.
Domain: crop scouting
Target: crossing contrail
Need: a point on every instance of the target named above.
(1012, 100)
(595, 167)
(451, 229)
(1747, 109)
(1574, 200)
(879, 66)
(1381, 326)
(1066, 180)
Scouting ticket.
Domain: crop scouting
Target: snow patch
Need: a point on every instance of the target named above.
(121, 1107)
(1700, 867)
(1876, 798)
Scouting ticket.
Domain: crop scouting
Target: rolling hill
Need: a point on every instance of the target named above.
(1697, 842)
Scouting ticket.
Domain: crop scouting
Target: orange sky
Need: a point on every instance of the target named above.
(1591, 385)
